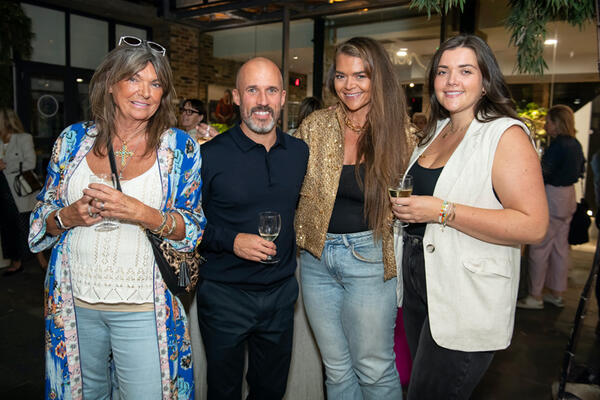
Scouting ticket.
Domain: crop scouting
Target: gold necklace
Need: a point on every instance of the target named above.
(349, 123)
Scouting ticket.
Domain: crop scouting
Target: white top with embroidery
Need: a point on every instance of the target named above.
(116, 266)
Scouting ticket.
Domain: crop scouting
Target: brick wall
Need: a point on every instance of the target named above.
(194, 67)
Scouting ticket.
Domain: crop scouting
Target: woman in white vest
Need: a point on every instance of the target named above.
(478, 195)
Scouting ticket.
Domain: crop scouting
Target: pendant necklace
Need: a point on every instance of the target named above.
(125, 154)
(449, 131)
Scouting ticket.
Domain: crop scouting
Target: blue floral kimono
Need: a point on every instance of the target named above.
(179, 163)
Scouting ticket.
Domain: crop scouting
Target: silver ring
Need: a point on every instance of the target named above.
(100, 204)
(90, 211)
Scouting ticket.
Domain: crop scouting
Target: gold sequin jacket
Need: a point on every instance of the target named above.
(322, 131)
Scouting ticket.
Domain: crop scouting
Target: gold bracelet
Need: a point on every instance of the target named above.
(173, 225)
(162, 224)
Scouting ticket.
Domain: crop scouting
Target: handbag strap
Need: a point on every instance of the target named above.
(113, 168)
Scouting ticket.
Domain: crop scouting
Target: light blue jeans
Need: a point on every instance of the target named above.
(131, 338)
(352, 312)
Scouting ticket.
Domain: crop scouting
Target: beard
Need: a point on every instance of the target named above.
(262, 127)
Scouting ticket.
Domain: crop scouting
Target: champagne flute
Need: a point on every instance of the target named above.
(107, 224)
(402, 189)
(269, 225)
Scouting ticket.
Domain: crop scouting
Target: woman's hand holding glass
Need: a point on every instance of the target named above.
(109, 202)
(416, 209)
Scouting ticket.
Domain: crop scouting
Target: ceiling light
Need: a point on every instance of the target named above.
(402, 52)
(550, 42)
(295, 57)
(79, 80)
(411, 84)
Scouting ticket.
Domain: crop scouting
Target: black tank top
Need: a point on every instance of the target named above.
(348, 209)
(424, 180)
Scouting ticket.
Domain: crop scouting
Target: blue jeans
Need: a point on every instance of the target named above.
(131, 339)
(352, 312)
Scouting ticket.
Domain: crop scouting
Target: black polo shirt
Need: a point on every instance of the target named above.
(239, 180)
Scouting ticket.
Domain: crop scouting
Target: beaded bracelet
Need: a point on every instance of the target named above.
(162, 224)
(442, 215)
(447, 213)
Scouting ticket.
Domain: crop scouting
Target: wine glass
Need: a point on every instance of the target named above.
(107, 224)
(269, 225)
(402, 189)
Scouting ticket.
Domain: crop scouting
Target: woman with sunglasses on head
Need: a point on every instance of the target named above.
(193, 120)
(468, 216)
(109, 316)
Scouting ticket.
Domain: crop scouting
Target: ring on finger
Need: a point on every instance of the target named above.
(100, 204)
(90, 213)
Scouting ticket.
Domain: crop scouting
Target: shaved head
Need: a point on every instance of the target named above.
(259, 94)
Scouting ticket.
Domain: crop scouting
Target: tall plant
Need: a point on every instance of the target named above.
(15, 40)
(527, 23)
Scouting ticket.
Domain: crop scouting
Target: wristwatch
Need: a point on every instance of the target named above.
(58, 221)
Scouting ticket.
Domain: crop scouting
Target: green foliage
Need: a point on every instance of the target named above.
(16, 32)
(535, 117)
(527, 23)
(437, 5)
(15, 38)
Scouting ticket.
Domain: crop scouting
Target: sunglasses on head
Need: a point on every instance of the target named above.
(135, 42)
(189, 111)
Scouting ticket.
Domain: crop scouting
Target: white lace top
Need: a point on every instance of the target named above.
(116, 266)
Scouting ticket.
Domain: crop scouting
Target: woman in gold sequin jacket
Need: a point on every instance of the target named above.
(343, 220)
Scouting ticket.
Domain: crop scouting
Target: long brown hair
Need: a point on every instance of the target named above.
(383, 145)
(121, 63)
(9, 123)
(563, 117)
(494, 104)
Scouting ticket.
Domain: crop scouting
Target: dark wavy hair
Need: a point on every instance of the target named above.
(495, 103)
(383, 145)
(121, 63)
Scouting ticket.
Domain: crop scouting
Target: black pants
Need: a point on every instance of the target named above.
(437, 372)
(231, 319)
(14, 226)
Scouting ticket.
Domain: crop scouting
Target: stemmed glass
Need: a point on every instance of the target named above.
(107, 224)
(269, 225)
(402, 189)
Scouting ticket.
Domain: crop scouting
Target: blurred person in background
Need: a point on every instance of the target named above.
(419, 120)
(16, 153)
(225, 111)
(193, 120)
(307, 106)
(563, 163)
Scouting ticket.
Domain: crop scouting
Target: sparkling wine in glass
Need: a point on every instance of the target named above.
(107, 224)
(402, 189)
(269, 225)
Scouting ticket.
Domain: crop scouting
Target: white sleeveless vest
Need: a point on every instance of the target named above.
(471, 284)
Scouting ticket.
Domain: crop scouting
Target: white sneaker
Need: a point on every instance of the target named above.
(556, 301)
(530, 303)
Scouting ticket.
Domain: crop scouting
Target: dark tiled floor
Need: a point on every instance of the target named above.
(525, 370)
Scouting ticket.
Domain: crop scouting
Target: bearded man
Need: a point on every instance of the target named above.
(244, 298)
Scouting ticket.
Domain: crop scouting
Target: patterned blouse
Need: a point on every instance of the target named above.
(179, 162)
